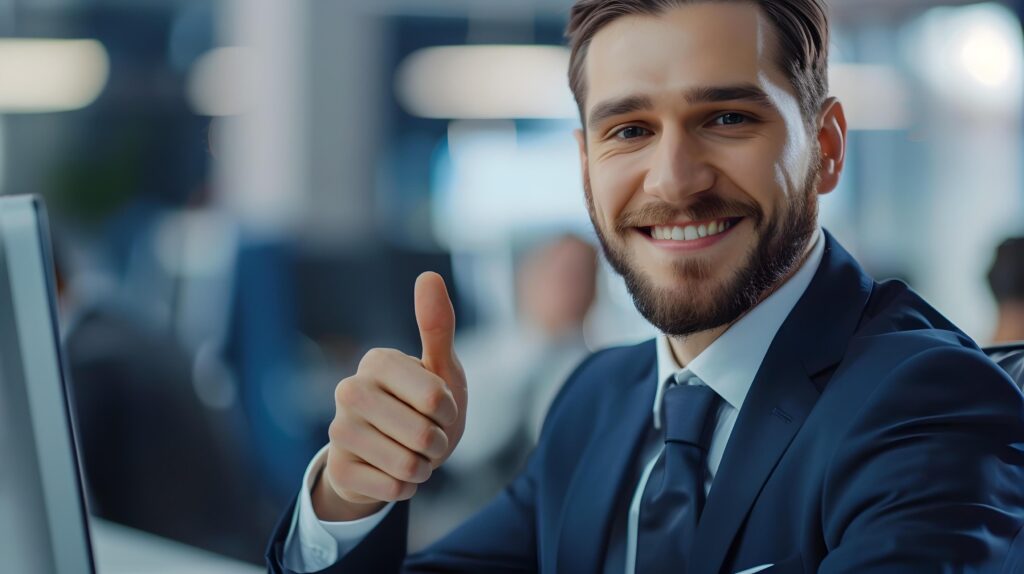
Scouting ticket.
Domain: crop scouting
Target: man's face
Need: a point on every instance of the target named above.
(700, 173)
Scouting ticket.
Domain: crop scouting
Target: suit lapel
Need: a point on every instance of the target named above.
(601, 475)
(779, 401)
(811, 340)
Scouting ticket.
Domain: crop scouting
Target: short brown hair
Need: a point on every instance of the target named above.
(802, 27)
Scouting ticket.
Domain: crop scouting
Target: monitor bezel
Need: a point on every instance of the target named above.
(32, 207)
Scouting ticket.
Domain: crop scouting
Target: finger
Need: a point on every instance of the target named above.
(406, 426)
(405, 378)
(435, 317)
(383, 453)
(356, 480)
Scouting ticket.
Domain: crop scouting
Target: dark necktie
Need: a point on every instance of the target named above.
(674, 496)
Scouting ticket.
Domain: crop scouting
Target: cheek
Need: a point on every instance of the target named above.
(792, 166)
(613, 184)
(759, 171)
(792, 153)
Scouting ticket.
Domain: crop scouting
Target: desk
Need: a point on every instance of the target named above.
(122, 550)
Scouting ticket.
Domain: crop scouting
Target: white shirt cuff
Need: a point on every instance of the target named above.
(314, 544)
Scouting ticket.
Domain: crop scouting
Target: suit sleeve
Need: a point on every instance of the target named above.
(929, 476)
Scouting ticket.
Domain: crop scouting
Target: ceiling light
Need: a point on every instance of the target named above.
(50, 75)
(486, 82)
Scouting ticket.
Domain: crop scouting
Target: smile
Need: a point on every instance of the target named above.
(691, 232)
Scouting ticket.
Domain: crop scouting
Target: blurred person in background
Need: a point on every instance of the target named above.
(1006, 280)
(557, 287)
(793, 416)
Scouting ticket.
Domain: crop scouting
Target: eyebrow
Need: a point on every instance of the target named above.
(702, 95)
(617, 107)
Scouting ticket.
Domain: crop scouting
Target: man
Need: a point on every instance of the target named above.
(796, 416)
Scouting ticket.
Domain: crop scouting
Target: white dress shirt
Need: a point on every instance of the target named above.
(728, 366)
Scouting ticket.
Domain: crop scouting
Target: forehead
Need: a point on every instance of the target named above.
(692, 45)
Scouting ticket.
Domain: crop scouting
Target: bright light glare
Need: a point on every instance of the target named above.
(49, 75)
(486, 82)
(219, 81)
(971, 54)
(987, 56)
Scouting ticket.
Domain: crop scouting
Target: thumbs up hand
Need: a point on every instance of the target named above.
(436, 320)
(397, 419)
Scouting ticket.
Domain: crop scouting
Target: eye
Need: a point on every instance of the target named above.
(731, 119)
(630, 132)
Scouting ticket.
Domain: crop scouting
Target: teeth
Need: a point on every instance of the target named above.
(690, 232)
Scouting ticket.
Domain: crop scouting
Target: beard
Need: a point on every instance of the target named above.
(698, 303)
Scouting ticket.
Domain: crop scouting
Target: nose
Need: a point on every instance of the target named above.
(678, 169)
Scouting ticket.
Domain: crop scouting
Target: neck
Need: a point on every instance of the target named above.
(1010, 325)
(686, 348)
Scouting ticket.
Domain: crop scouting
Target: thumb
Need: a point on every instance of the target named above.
(436, 320)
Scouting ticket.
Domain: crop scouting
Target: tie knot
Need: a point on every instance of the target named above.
(689, 414)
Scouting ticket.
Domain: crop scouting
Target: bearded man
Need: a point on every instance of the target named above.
(794, 415)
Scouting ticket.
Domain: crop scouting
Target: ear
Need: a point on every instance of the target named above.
(832, 141)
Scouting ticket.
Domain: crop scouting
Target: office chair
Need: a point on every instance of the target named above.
(1010, 357)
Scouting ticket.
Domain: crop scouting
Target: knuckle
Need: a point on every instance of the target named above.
(442, 441)
(426, 438)
(334, 431)
(341, 432)
(353, 396)
(371, 358)
(407, 492)
(409, 467)
(392, 490)
(374, 358)
(347, 392)
(433, 399)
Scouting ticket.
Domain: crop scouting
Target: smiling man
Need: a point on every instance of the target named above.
(701, 173)
(794, 416)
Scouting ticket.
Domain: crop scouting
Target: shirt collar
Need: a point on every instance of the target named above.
(731, 362)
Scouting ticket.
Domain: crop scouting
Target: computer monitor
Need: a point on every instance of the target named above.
(42, 511)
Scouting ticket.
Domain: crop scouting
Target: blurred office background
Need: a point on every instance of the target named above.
(243, 192)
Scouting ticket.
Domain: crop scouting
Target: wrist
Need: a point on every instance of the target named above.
(331, 507)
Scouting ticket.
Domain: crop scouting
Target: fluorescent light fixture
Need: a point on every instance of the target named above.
(874, 97)
(486, 82)
(50, 75)
(219, 81)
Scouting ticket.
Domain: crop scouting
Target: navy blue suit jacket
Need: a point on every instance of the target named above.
(875, 438)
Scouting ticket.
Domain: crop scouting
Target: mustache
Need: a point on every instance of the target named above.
(703, 208)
